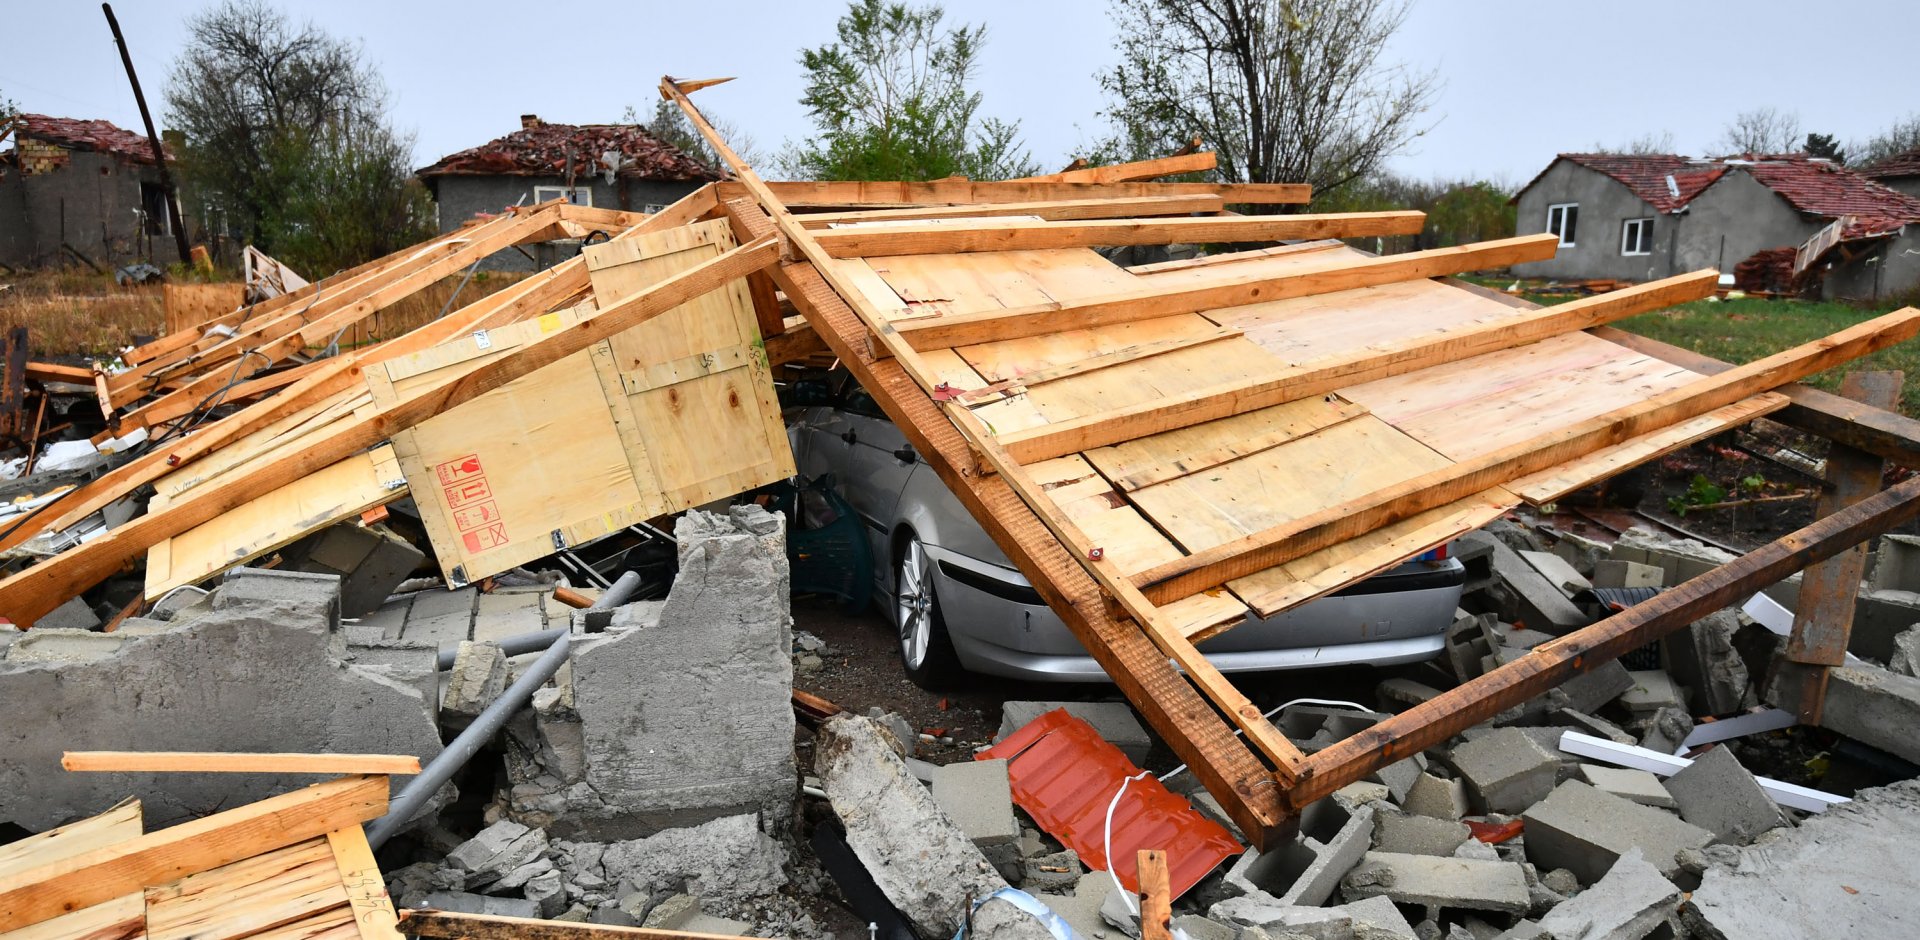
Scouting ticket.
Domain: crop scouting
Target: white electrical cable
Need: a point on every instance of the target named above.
(1269, 713)
(1125, 895)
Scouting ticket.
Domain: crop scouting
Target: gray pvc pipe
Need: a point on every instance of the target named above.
(538, 640)
(456, 754)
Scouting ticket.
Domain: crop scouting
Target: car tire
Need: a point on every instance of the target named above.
(920, 631)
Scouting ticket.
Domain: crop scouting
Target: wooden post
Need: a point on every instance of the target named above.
(1824, 618)
(1156, 896)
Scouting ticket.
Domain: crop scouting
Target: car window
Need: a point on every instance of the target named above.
(858, 402)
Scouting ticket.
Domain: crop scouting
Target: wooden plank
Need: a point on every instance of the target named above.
(1553, 663)
(1557, 482)
(1125, 354)
(1282, 543)
(1823, 617)
(266, 891)
(83, 880)
(123, 918)
(966, 192)
(234, 762)
(28, 595)
(1170, 455)
(1233, 257)
(1156, 895)
(54, 372)
(493, 927)
(1134, 170)
(112, 827)
(188, 307)
(1057, 210)
(1221, 289)
(960, 235)
(373, 912)
(1376, 361)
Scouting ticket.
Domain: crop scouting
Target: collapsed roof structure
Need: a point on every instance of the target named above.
(1162, 450)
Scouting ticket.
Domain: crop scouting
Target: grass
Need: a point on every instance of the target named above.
(73, 315)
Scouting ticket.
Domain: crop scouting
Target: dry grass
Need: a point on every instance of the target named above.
(73, 314)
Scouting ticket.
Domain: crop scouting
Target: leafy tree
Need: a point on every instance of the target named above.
(1901, 136)
(1458, 211)
(1762, 130)
(287, 141)
(1283, 90)
(1824, 145)
(8, 108)
(890, 100)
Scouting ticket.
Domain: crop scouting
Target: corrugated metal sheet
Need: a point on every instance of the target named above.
(1065, 775)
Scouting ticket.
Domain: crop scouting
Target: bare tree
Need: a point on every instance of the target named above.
(1901, 136)
(1282, 90)
(287, 142)
(670, 125)
(1762, 130)
(1648, 143)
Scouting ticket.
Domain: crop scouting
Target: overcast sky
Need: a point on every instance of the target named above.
(1522, 79)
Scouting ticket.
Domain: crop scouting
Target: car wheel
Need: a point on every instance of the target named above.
(926, 652)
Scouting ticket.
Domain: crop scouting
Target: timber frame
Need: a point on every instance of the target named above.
(1260, 778)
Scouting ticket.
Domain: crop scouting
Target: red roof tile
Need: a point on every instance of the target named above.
(544, 149)
(79, 134)
(1898, 166)
(1646, 175)
(1827, 190)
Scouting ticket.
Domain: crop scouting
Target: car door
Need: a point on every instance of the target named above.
(879, 462)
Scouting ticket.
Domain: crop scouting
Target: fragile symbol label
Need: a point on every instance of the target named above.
(463, 484)
(467, 518)
(467, 491)
(458, 469)
(480, 540)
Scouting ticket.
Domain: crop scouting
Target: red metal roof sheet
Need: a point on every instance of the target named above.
(543, 149)
(1065, 775)
(80, 134)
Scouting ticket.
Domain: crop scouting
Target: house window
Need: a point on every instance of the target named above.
(1561, 221)
(153, 205)
(578, 195)
(1636, 237)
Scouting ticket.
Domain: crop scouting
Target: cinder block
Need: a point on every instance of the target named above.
(1508, 770)
(1459, 883)
(1585, 831)
(1432, 796)
(1307, 870)
(1630, 902)
(499, 616)
(1527, 597)
(1717, 794)
(1896, 566)
(1558, 572)
(1114, 721)
(1636, 785)
(977, 795)
(1627, 574)
(1417, 835)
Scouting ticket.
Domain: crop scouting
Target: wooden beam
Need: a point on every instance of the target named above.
(1134, 170)
(1283, 543)
(967, 192)
(1057, 210)
(52, 372)
(1558, 660)
(1224, 289)
(235, 762)
(1823, 617)
(494, 927)
(56, 888)
(1026, 235)
(373, 913)
(1317, 377)
(30, 594)
(1156, 895)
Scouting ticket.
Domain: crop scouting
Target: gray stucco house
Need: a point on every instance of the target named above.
(1639, 217)
(612, 166)
(80, 186)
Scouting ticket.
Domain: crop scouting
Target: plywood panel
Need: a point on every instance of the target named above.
(1158, 458)
(188, 306)
(271, 890)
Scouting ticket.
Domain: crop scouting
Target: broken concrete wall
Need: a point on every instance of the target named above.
(681, 712)
(256, 667)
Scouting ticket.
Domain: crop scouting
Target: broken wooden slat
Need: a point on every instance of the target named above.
(52, 889)
(1156, 895)
(234, 762)
(966, 192)
(1057, 210)
(112, 827)
(373, 912)
(963, 235)
(1133, 170)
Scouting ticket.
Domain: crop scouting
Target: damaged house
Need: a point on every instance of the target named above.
(73, 189)
(607, 166)
(1796, 223)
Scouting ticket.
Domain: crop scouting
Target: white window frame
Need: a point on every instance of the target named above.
(578, 195)
(1561, 207)
(1644, 227)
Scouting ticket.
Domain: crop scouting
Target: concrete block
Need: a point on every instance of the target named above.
(1627, 574)
(1316, 726)
(1462, 884)
(673, 913)
(1202, 928)
(1058, 871)
(1874, 706)
(1558, 571)
(478, 676)
(497, 851)
(1417, 835)
(1507, 770)
(1905, 660)
(1585, 831)
(1000, 919)
(1629, 903)
(1377, 918)
(978, 797)
(1665, 730)
(919, 859)
(1355, 795)
(59, 645)
(1717, 794)
(1401, 775)
(730, 864)
(1702, 659)
(498, 616)
(72, 615)
(1433, 796)
(461, 902)
(1307, 870)
(1652, 690)
(1525, 596)
(1280, 919)
(1589, 724)
(369, 561)
(1896, 564)
(1624, 782)
(1113, 721)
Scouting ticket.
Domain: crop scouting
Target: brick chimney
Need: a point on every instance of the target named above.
(528, 121)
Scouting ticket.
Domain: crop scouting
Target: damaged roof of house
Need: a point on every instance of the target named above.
(82, 134)
(1821, 188)
(542, 149)
(1646, 174)
(1898, 166)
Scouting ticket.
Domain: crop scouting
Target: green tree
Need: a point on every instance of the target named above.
(1824, 145)
(8, 108)
(890, 100)
(670, 125)
(1283, 90)
(287, 141)
(1458, 212)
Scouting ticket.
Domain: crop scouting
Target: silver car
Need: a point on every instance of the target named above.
(959, 604)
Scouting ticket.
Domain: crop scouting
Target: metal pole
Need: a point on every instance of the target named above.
(153, 137)
(455, 756)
